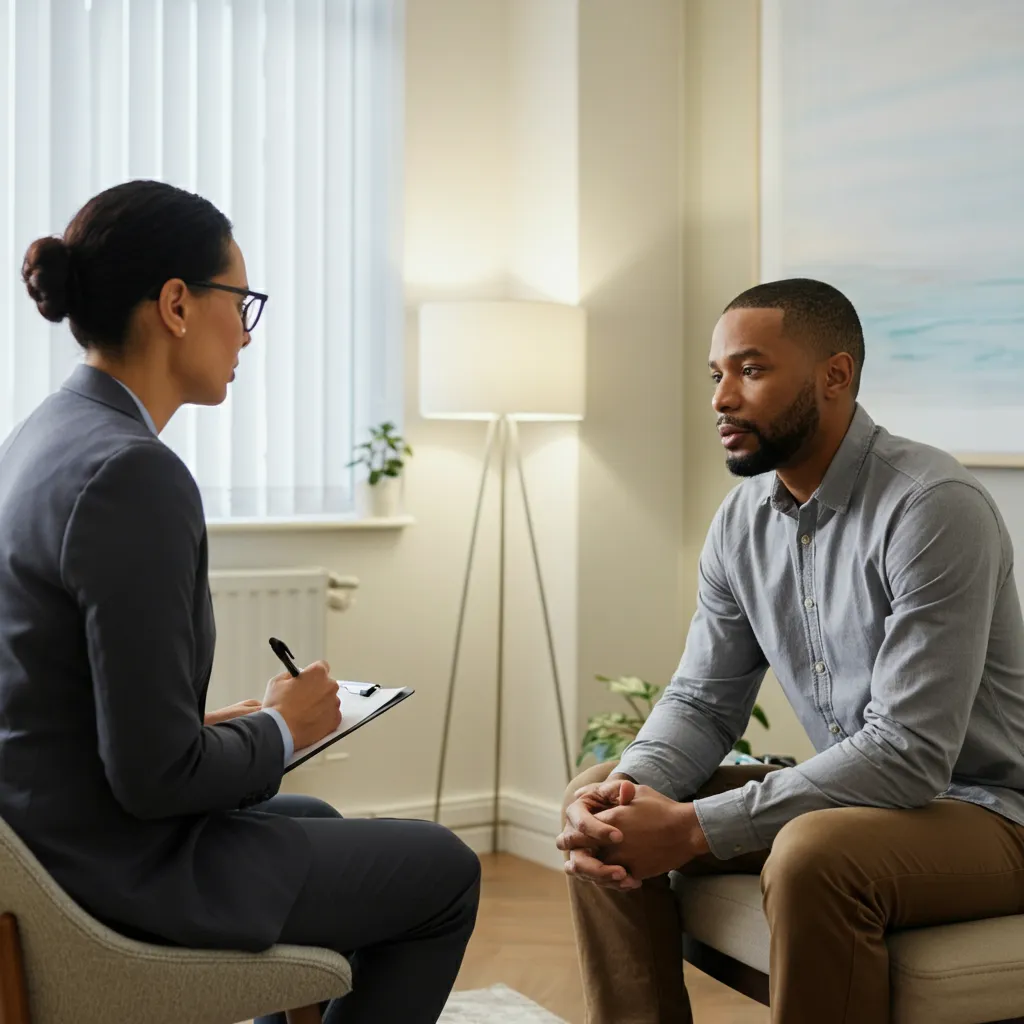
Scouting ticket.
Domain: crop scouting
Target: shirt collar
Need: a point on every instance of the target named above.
(779, 498)
(144, 412)
(836, 488)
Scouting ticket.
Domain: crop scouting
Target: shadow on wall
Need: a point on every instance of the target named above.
(631, 470)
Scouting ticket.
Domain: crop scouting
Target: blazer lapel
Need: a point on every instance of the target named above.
(100, 387)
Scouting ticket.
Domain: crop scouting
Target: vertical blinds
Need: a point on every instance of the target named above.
(287, 114)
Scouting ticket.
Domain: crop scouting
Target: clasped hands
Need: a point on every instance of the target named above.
(618, 833)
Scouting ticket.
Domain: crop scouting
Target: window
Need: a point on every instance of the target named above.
(287, 115)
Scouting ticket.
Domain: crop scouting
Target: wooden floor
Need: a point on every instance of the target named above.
(524, 939)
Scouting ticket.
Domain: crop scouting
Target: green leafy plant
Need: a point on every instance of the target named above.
(609, 733)
(383, 455)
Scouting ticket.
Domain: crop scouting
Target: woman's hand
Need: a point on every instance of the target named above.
(243, 707)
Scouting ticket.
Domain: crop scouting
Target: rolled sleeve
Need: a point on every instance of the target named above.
(648, 773)
(727, 824)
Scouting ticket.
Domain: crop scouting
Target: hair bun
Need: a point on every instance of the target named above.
(47, 276)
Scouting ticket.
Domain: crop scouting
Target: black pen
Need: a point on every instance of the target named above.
(280, 648)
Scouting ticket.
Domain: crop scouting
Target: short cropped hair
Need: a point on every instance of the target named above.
(820, 314)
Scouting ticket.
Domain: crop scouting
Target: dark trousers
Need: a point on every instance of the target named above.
(398, 898)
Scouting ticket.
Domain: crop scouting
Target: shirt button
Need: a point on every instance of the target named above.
(737, 849)
(819, 667)
(834, 729)
(805, 540)
(808, 602)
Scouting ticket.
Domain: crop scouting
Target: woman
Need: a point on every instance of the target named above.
(159, 821)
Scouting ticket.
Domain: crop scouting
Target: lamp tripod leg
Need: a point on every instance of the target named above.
(504, 427)
(488, 451)
(567, 758)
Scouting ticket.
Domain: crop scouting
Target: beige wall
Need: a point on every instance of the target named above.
(720, 174)
(631, 466)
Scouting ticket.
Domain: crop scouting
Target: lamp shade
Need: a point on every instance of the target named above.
(526, 360)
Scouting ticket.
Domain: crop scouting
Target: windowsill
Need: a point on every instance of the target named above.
(307, 523)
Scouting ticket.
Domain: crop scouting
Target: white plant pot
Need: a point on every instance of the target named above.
(381, 501)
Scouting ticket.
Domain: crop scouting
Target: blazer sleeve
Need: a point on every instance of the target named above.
(130, 558)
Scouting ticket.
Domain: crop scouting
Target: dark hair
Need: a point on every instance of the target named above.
(823, 315)
(119, 249)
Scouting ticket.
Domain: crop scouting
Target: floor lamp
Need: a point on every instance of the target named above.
(502, 362)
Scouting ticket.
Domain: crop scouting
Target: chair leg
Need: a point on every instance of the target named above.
(13, 989)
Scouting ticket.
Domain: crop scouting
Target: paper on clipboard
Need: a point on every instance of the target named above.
(355, 712)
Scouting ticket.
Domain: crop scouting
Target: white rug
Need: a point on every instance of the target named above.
(495, 1005)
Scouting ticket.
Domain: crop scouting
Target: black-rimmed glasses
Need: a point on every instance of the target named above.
(252, 307)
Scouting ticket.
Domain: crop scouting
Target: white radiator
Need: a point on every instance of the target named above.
(251, 606)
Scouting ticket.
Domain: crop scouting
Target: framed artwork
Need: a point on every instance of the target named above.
(892, 166)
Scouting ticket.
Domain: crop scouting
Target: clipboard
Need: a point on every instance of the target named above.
(356, 711)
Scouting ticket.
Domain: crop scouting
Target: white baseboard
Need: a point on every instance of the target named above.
(529, 829)
(528, 826)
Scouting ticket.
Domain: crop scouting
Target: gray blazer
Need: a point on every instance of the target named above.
(106, 644)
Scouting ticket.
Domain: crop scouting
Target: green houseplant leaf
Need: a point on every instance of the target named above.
(610, 732)
(383, 456)
(632, 686)
(758, 713)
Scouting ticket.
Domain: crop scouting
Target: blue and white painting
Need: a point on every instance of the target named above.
(893, 167)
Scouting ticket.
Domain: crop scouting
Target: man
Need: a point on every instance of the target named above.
(875, 576)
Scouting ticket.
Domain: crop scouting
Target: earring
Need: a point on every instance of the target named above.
(183, 332)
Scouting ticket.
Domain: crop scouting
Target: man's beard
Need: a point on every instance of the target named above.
(779, 442)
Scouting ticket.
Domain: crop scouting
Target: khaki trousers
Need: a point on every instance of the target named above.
(834, 882)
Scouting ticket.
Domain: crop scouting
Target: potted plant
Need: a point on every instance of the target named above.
(610, 732)
(378, 494)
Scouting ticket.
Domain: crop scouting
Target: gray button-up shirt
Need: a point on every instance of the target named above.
(886, 606)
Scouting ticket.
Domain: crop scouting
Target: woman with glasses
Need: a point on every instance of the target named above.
(158, 817)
